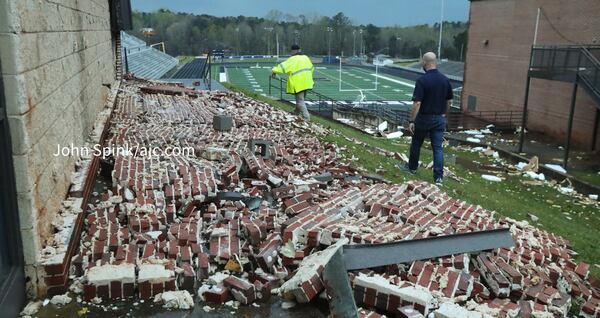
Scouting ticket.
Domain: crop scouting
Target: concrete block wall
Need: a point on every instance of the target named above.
(496, 73)
(56, 56)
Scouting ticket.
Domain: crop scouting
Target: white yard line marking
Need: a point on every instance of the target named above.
(394, 80)
(368, 92)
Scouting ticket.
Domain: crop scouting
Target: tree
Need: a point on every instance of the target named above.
(372, 38)
(190, 34)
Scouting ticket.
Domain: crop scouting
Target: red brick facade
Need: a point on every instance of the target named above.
(501, 34)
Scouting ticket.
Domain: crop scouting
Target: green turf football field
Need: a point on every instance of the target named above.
(327, 82)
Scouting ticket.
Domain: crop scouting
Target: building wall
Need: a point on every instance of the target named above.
(56, 56)
(496, 73)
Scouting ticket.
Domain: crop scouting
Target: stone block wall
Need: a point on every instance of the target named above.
(55, 56)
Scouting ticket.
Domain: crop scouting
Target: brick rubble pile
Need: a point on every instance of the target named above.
(238, 223)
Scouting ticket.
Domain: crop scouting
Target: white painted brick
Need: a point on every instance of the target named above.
(31, 278)
(23, 179)
(45, 113)
(8, 54)
(31, 245)
(32, 50)
(42, 16)
(9, 19)
(27, 210)
(19, 134)
(16, 103)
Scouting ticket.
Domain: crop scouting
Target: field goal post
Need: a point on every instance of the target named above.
(358, 89)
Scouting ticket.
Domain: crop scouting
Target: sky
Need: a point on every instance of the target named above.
(378, 12)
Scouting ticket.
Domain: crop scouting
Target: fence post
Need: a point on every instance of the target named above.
(280, 90)
(270, 78)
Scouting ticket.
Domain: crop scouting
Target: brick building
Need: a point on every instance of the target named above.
(501, 36)
(57, 61)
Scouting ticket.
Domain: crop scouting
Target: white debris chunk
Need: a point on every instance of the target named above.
(180, 299)
(207, 308)
(593, 197)
(288, 304)
(61, 300)
(32, 308)
(565, 190)
(103, 275)
(383, 126)
(491, 178)
(217, 278)
(556, 168)
(536, 176)
(394, 135)
(471, 139)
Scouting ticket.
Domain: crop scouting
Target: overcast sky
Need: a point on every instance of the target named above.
(378, 12)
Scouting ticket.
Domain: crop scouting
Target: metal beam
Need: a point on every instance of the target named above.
(373, 255)
(352, 257)
(525, 106)
(595, 136)
(570, 129)
(338, 288)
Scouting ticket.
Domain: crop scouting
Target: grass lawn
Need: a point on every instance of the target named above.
(557, 213)
(591, 177)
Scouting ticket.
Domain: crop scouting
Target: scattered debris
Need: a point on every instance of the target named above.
(60, 300)
(287, 304)
(491, 178)
(31, 308)
(180, 299)
(237, 224)
(394, 135)
(556, 168)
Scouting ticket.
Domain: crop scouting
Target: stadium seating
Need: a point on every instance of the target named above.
(144, 61)
(452, 68)
(194, 69)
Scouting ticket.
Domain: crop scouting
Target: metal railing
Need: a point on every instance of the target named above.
(206, 73)
(568, 63)
(374, 113)
(577, 64)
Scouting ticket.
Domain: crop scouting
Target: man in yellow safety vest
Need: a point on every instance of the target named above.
(300, 71)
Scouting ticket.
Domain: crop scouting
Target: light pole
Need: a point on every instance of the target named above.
(297, 37)
(398, 39)
(353, 42)
(361, 42)
(270, 29)
(329, 30)
(441, 29)
(237, 40)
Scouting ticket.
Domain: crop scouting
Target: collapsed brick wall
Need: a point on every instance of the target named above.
(175, 223)
(55, 58)
(496, 72)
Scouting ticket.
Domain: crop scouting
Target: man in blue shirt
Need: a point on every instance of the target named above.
(431, 99)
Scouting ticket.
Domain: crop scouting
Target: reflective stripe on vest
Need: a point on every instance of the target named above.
(282, 68)
(302, 70)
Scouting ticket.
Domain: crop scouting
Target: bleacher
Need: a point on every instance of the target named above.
(449, 68)
(194, 69)
(452, 68)
(144, 61)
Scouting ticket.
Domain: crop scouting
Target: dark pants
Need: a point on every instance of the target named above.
(434, 127)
